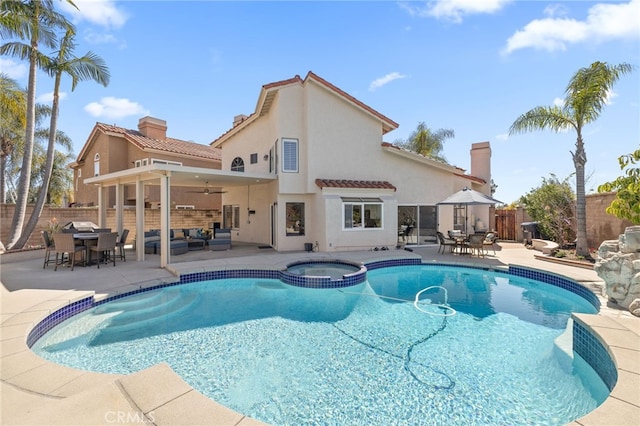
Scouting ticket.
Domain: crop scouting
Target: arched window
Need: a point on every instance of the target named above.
(237, 165)
(96, 165)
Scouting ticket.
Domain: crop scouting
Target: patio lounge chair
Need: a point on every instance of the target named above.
(106, 247)
(445, 242)
(64, 243)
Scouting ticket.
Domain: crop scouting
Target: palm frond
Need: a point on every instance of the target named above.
(543, 118)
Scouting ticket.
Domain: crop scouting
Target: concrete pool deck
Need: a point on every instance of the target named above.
(34, 391)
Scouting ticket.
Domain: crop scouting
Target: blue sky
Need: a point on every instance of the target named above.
(468, 65)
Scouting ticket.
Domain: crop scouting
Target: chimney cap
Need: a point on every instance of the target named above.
(152, 120)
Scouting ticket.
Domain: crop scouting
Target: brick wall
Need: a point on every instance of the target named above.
(179, 219)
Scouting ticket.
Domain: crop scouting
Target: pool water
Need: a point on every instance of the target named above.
(359, 355)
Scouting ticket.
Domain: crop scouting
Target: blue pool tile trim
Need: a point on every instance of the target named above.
(392, 262)
(57, 317)
(557, 281)
(584, 342)
(594, 353)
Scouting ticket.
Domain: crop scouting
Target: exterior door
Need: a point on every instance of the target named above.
(428, 220)
(417, 225)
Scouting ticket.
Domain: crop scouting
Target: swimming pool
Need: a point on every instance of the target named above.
(361, 354)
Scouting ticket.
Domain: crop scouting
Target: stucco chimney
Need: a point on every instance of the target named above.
(238, 119)
(481, 161)
(153, 127)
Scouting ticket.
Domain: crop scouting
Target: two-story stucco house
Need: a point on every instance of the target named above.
(338, 183)
(111, 149)
(309, 166)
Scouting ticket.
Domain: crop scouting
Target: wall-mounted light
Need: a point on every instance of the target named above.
(252, 212)
(266, 157)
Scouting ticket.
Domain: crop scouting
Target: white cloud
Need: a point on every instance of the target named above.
(379, 82)
(559, 102)
(111, 107)
(555, 10)
(502, 137)
(454, 10)
(604, 22)
(47, 98)
(13, 69)
(99, 12)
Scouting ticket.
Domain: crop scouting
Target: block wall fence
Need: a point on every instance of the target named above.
(179, 219)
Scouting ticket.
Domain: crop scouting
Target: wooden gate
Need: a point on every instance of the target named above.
(506, 224)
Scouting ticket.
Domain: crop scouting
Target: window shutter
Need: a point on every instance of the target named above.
(290, 155)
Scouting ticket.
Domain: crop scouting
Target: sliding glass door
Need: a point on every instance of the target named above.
(417, 225)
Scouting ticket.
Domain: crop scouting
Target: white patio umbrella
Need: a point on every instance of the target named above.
(466, 197)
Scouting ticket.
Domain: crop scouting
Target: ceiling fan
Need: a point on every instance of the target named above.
(207, 191)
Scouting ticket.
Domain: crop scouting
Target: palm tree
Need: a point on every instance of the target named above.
(89, 66)
(31, 20)
(585, 97)
(427, 142)
(13, 108)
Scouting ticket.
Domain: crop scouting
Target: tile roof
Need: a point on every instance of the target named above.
(169, 145)
(358, 184)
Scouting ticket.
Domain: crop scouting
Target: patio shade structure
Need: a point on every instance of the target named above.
(466, 197)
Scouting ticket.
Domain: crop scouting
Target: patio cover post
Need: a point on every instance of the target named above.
(139, 219)
(102, 208)
(165, 203)
(119, 207)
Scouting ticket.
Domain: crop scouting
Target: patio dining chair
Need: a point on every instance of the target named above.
(64, 244)
(475, 244)
(445, 242)
(122, 240)
(490, 240)
(48, 248)
(105, 248)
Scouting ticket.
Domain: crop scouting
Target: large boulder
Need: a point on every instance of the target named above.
(618, 264)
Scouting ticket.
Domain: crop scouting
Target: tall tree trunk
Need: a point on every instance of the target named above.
(579, 161)
(3, 171)
(25, 173)
(48, 167)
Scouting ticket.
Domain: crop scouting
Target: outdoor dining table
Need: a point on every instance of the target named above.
(85, 236)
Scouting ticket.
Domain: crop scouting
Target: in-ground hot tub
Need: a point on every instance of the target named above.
(324, 273)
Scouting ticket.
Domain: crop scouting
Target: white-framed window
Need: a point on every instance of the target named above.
(184, 207)
(237, 165)
(231, 216)
(96, 165)
(290, 155)
(362, 213)
(158, 161)
(143, 162)
(79, 172)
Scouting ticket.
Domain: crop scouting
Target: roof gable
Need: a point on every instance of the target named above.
(270, 90)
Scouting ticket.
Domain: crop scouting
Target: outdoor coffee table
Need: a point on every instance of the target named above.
(195, 244)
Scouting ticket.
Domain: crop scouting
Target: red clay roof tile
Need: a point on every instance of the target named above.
(169, 145)
(358, 184)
